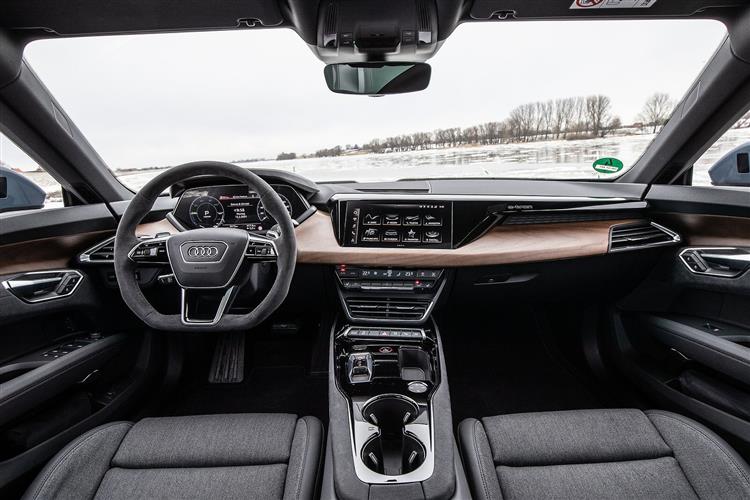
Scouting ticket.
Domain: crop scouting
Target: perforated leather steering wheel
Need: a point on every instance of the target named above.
(205, 259)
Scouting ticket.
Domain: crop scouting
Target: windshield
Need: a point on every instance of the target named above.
(546, 100)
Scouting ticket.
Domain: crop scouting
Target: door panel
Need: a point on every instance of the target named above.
(683, 336)
(66, 362)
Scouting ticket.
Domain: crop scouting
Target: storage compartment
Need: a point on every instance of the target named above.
(394, 450)
(415, 364)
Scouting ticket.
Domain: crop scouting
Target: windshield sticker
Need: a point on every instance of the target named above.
(612, 4)
(608, 165)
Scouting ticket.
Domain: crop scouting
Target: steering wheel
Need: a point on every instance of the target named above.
(205, 261)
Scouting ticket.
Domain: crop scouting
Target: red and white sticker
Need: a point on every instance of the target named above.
(612, 4)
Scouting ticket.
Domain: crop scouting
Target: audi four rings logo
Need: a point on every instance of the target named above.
(203, 251)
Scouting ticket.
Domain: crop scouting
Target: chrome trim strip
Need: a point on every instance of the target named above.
(470, 197)
(363, 431)
(85, 256)
(676, 238)
(9, 284)
(709, 270)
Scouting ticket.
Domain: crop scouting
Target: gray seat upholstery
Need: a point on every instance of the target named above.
(213, 456)
(599, 454)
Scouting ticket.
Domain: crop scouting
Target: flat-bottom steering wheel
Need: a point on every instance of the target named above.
(205, 261)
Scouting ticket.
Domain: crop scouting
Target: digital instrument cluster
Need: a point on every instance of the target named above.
(233, 206)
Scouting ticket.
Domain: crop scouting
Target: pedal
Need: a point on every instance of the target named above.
(228, 363)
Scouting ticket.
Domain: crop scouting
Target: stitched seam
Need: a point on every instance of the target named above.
(69, 453)
(713, 441)
(304, 459)
(479, 460)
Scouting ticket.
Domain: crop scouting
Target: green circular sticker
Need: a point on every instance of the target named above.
(608, 165)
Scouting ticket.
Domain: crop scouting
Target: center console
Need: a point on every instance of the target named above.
(390, 419)
(389, 376)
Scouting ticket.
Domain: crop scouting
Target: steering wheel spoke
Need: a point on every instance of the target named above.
(205, 307)
(150, 251)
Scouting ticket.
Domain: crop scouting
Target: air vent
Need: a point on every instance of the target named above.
(103, 252)
(559, 217)
(640, 235)
(386, 308)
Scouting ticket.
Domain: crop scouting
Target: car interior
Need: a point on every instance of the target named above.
(241, 330)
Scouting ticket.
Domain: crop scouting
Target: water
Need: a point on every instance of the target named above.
(548, 160)
(558, 159)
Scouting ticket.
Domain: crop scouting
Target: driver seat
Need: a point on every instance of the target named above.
(209, 456)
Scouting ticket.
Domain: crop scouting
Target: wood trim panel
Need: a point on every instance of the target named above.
(59, 252)
(316, 244)
(708, 230)
(46, 253)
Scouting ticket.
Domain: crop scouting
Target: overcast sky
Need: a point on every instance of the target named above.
(166, 99)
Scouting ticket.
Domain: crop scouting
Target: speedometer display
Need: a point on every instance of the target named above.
(263, 216)
(206, 211)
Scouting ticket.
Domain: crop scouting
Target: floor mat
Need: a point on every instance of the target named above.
(279, 389)
(277, 379)
(501, 365)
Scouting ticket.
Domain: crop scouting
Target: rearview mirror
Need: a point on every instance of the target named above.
(733, 169)
(377, 78)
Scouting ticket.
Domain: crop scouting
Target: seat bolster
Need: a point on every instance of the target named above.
(208, 441)
(713, 468)
(305, 460)
(77, 470)
(477, 458)
(573, 437)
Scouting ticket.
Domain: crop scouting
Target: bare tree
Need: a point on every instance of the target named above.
(657, 110)
(598, 112)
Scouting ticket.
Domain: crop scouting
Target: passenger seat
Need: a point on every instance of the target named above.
(599, 454)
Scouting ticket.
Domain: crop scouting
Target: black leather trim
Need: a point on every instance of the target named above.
(470, 433)
(312, 460)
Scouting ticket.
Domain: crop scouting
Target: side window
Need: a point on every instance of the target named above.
(727, 161)
(26, 186)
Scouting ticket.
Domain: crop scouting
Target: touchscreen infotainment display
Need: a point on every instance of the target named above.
(398, 224)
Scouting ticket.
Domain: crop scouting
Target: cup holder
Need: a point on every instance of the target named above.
(393, 455)
(390, 412)
(394, 450)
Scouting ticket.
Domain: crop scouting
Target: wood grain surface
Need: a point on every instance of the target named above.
(708, 230)
(58, 252)
(316, 244)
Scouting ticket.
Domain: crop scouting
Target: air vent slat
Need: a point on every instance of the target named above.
(640, 235)
(104, 253)
(387, 308)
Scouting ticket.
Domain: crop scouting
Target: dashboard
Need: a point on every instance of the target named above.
(233, 205)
